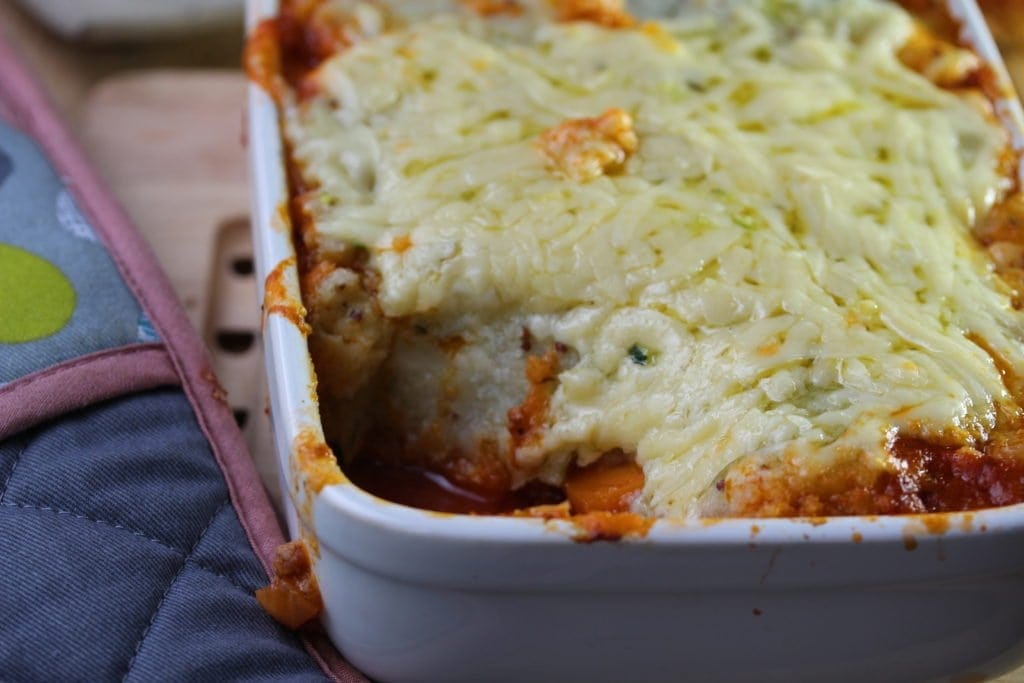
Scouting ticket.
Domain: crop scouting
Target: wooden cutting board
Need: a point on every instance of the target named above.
(170, 143)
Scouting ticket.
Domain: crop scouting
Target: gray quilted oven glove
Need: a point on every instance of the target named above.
(133, 528)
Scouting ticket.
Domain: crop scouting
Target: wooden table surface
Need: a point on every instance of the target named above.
(163, 121)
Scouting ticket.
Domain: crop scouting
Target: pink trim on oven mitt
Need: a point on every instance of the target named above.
(83, 381)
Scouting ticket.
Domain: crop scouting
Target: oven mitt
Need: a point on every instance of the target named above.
(133, 527)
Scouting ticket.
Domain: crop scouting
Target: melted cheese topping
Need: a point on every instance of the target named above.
(782, 268)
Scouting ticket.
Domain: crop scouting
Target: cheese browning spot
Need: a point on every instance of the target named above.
(944, 64)
(607, 13)
(583, 149)
(293, 597)
(490, 8)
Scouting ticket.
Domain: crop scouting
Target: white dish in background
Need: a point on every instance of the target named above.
(98, 20)
(411, 595)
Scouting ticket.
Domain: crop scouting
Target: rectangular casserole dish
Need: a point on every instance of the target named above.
(413, 595)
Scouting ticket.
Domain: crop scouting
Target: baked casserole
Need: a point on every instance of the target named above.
(753, 258)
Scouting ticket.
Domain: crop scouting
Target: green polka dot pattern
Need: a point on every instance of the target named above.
(37, 298)
(61, 295)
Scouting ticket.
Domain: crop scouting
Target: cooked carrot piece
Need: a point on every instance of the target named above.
(609, 485)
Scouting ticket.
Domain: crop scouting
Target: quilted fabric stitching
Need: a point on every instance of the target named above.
(191, 560)
(170, 585)
(203, 568)
(101, 522)
(10, 475)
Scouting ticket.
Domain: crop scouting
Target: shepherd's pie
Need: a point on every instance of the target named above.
(750, 258)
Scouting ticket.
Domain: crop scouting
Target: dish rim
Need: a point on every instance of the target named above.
(295, 412)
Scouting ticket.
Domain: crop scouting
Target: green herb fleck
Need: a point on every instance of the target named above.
(748, 219)
(640, 354)
(329, 199)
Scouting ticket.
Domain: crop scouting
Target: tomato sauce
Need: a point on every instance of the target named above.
(527, 420)
(929, 477)
(948, 479)
(422, 488)
(291, 45)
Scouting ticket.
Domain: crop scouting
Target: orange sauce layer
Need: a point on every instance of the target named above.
(948, 479)
(611, 526)
(526, 421)
(428, 490)
(316, 460)
(277, 300)
(597, 505)
(930, 477)
(285, 49)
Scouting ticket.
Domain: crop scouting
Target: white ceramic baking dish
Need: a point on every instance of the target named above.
(416, 596)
